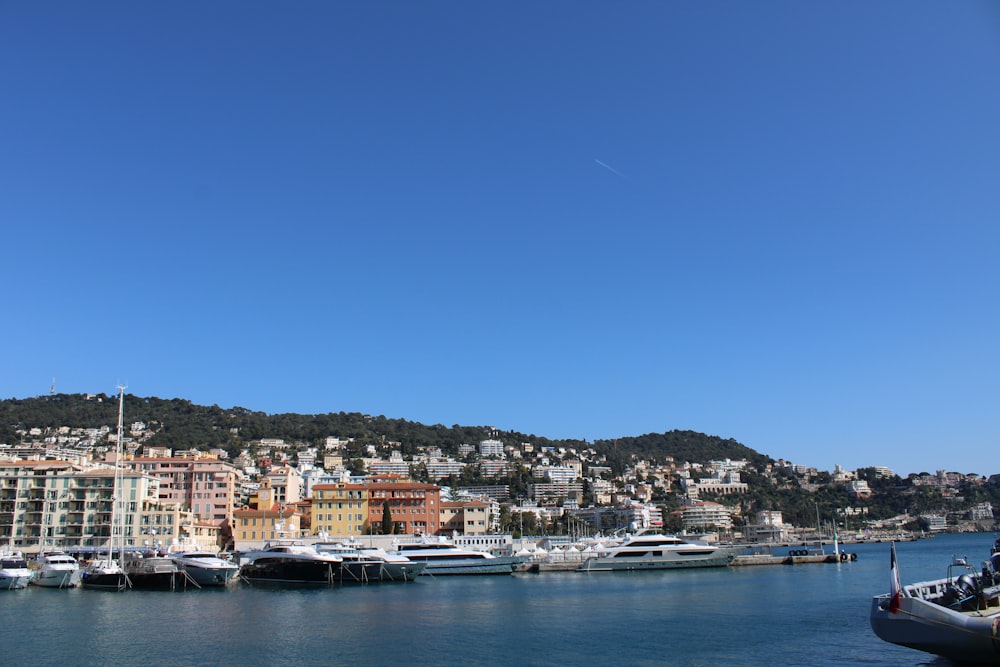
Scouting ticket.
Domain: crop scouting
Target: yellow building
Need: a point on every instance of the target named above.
(254, 528)
(266, 521)
(339, 509)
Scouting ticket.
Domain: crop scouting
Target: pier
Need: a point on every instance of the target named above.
(793, 556)
(773, 559)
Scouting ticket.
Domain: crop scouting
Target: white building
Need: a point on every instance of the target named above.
(768, 527)
(443, 468)
(719, 483)
(491, 448)
(981, 512)
(935, 522)
(706, 516)
(556, 474)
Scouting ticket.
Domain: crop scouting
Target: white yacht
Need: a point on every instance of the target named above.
(14, 572)
(445, 558)
(56, 569)
(356, 568)
(655, 551)
(395, 566)
(204, 567)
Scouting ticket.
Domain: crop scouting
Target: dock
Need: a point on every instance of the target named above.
(765, 555)
(793, 557)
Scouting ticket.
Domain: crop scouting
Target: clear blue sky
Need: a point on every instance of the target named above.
(772, 221)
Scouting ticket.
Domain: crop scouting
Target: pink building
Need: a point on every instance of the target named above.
(206, 486)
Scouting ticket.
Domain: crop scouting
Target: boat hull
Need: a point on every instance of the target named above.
(931, 628)
(52, 578)
(276, 571)
(115, 581)
(210, 576)
(159, 581)
(359, 572)
(499, 565)
(13, 581)
(402, 571)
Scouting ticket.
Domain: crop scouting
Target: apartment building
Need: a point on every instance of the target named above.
(206, 486)
(59, 505)
(340, 509)
(465, 517)
(415, 507)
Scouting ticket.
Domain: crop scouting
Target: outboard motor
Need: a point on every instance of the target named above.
(968, 588)
(995, 563)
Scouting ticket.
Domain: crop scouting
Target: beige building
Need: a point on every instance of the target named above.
(469, 517)
(286, 484)
(58, 505)
(265, 521)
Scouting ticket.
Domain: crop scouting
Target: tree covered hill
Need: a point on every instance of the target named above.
(180, 424)
(682, 446)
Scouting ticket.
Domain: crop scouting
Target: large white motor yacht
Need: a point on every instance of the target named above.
(655, 551)
(445, 558)
(56, 569)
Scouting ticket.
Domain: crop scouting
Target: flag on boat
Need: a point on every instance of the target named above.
(895, 590)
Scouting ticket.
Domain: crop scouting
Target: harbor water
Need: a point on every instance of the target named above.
(807, 614)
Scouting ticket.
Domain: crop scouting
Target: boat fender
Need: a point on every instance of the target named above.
(854, 556)
(844, 557)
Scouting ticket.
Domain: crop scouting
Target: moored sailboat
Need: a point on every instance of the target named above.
(107, 573)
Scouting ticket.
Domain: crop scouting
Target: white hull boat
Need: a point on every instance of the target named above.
(395, 567)
(446, 558)
(14, 572)
(56, 569)
(654, 551)
(206, 568)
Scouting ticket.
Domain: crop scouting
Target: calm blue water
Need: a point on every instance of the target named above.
(789, 615)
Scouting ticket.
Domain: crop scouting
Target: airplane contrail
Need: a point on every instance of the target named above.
(610, 168)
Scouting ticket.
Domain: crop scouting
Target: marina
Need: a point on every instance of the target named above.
(810, 615)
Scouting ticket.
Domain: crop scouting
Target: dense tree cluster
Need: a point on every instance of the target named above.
(179, 424)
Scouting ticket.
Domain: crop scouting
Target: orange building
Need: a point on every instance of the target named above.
(415, 507)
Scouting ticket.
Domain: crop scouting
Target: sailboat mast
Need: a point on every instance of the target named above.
(117, 503)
